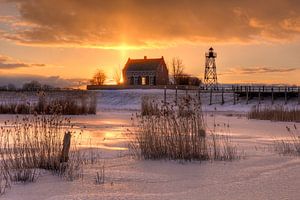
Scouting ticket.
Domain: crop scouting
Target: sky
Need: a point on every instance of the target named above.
(63, 42)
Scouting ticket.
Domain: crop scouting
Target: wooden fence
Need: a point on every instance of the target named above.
(248, 93)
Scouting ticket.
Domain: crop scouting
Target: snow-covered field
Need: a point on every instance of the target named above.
(261, 174)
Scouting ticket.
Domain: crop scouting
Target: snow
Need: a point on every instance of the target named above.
(130, 100)
(261, 174)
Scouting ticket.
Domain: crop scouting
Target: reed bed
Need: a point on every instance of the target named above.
(289, 145)
(178, 133)
(277, 113)
(149, 107)
(66, 104)
(32, 144)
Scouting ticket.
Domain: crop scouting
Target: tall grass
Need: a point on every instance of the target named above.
(289, 145)
(149, 107)
(277, 113)
(178, 133)
(34, 143)
(75, 104)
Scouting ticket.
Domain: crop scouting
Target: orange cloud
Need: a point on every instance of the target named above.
(259, 70)
(10, 63)
(153, 23)
(19, 79)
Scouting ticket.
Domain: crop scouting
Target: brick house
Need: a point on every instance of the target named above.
(146, 71)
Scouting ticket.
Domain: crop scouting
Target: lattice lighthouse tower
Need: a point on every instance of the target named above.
(210, 75)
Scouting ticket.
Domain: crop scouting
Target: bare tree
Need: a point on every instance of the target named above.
(177, 69)
(99, 77)
(117, 75)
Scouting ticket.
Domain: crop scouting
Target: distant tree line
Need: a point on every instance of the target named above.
(29, 86)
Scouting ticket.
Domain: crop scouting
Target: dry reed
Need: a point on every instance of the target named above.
(34, 143)
(100, 176)
(149, 107)
(289, 145)
(66, 104)
(177, 133)
(276, 113)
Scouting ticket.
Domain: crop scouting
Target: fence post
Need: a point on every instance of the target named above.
(223, 96)
(210, 97)
(259, 95)
(165, 95)
(285, 95)
(176, 97)
(234, 102)
(247, 95)
(237, 96)
(199, 95)
(299, 95)
(66, 147)
(272, 89)
(186, 91)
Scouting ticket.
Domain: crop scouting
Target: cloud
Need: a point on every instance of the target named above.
(148, 23)
(6, 19)
(10, 63)
(259, 70)
(19, 79)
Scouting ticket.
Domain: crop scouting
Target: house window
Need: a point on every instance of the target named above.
(152, 80)
(136, 80)
(143, 80)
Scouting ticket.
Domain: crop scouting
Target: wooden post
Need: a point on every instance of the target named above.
(176, 95)
(237, 96)
(199, 95)
(272, 89)
(247, 95)
(66, 147)
(223, 96)
(165, 95)
(234, 102)
(259, 97)
(186, 91)
(210, 97)
(285, 95)
(299, 95)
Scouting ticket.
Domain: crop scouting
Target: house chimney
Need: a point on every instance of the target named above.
(145, 57)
